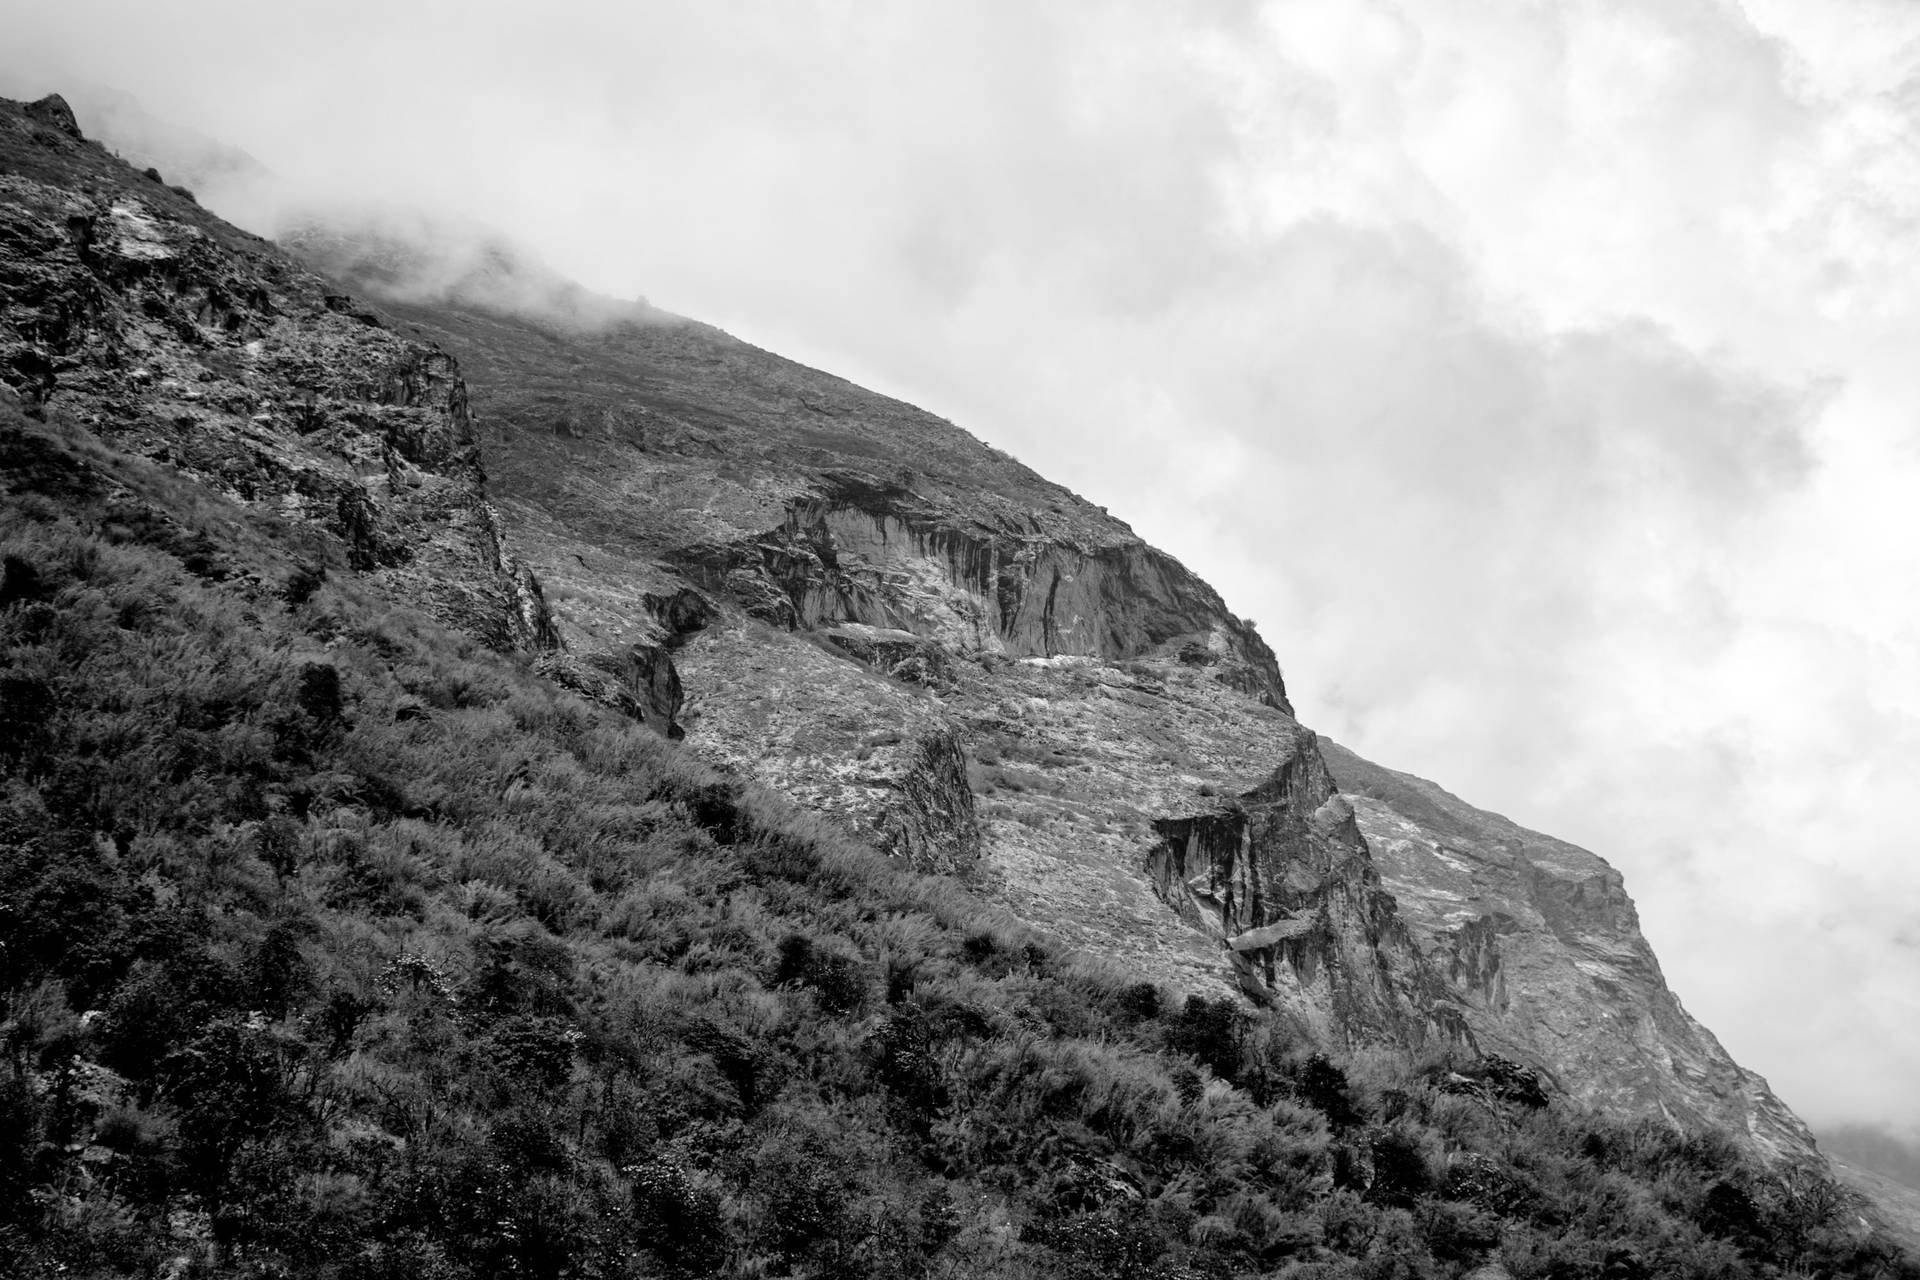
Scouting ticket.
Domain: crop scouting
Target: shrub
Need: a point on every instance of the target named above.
(1399, 1169)
(837, 978)
(1110, 1245)
(1139, 1002)
(1323, 1086)
(1213, 1032)
(679, 1219)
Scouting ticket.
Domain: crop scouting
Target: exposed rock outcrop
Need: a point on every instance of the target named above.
(1542, 949)
(53, 111)
(868, 553)
(173, 336)
(1283, 879)
(934, 825)
(638, 679)
(641, 683)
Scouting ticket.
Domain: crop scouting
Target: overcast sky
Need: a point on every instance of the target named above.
(1544, 378)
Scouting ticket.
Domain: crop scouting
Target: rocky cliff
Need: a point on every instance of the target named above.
(1541, 947)
(175, 337)
(837, 595)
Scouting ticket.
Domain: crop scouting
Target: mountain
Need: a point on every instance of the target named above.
(356, 590)
(873, 612)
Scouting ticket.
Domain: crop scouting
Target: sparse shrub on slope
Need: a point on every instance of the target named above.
(334, 945)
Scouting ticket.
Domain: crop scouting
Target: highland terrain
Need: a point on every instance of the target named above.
(505, 781)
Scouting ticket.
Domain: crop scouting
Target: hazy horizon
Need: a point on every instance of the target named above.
(1538, 379)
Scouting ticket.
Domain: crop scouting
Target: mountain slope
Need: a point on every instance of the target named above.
(859, 604)
(1120, 779)
(877, 614)
(342, 939)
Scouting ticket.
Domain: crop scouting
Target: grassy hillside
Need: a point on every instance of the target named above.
(333, 944)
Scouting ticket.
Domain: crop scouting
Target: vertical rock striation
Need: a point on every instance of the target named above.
(934, 825)
(873, 554)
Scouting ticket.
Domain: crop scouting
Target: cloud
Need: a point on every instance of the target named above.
(1538, 375)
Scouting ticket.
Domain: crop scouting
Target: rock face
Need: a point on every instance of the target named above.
(874, 554)
(1282, 877)
(934, 825)
(1541, 947)
(837, 594)
(173, 336)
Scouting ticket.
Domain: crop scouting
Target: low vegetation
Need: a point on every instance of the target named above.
(334, 945)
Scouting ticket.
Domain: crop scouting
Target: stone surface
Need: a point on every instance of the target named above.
(53, 111)
(934, 823)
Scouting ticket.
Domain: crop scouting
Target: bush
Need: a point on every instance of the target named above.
(1111, 1245)
(837, 978)
(1213, 1032)
(1399, 1170)
(680, 1220)
(1323, 1086)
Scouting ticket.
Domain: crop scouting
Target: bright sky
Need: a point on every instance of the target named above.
(1543, 377)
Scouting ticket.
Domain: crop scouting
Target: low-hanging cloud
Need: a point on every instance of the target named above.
(1538, 376)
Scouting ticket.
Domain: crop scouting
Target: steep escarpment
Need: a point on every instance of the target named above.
(876, 578)
(1541, 947)
(878, 554)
